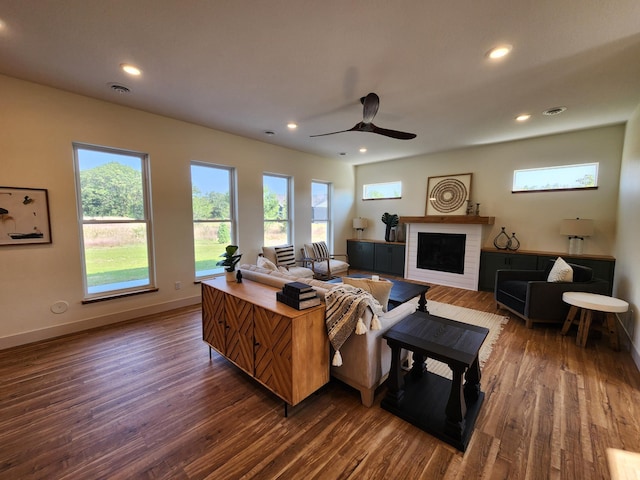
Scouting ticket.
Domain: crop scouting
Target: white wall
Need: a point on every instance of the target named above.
(626, 285)
(535, 217)
(37, 127)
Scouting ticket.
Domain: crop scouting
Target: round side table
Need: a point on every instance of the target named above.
(588, 303)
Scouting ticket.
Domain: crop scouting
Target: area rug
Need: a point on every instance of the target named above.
(491, 321)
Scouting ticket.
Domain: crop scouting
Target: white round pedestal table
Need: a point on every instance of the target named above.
(588, 303)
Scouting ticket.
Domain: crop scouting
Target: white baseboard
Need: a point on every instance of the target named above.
(86, 324)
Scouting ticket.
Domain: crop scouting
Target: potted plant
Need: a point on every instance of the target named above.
(391, 221)
(230, 260)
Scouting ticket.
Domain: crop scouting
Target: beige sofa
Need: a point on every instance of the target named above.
(366, 359)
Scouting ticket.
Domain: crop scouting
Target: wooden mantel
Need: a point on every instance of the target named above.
(468, 219)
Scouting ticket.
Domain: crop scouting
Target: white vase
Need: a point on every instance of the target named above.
(230, 276)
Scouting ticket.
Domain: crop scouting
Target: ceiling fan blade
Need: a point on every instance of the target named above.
(333, 133)
(392, 133)
(358, 127)
(370, 103)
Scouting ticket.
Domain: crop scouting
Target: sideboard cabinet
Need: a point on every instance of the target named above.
(603, 266)
(377, 256)
(285, 349)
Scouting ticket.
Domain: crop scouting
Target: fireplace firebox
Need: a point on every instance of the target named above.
(442, 252)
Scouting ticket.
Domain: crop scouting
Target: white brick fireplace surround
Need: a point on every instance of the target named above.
(471, 227)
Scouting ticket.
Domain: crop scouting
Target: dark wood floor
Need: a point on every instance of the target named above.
(143, 400)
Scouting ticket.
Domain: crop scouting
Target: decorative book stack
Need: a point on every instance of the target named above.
(298, 295)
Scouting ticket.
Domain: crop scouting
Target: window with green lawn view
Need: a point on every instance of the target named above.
(275, 201)
(320, 212)
(114, 211)
(214, 225)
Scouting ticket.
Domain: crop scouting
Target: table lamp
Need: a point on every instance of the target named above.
(359, 224)
(576, 229)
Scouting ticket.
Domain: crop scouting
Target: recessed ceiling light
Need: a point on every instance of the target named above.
(131, 69)
(292, 126)
(523, 117)
(554, 111)
(499, 52)
(363, 150)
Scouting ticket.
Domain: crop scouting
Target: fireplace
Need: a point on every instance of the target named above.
(442, 252)
(444, 270)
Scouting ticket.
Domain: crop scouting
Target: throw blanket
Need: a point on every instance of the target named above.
(345, 307)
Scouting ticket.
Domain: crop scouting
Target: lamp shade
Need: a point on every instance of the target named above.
(359, 223)
(577, 227)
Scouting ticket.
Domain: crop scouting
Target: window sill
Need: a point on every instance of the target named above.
(118, 295)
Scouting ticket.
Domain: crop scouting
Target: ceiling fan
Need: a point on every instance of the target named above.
(370, 107)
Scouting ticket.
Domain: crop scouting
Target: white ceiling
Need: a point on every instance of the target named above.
(247, 66)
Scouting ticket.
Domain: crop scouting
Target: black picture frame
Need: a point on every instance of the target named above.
(24, 216)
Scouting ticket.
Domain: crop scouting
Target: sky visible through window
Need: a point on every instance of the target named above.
(89, 159)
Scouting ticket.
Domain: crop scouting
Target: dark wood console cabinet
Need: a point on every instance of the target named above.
(377, 256)
(491, 260)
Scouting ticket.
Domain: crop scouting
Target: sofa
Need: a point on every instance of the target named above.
(366, 359)
(531, 295)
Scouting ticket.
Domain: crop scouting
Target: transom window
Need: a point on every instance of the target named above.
(276, 200)
(381, 191)
(114, 211)
(563, 177)
(213, 205)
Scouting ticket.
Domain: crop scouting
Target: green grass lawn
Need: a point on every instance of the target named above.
(106, 265)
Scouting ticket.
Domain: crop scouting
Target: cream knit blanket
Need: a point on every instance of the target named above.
(345, 307)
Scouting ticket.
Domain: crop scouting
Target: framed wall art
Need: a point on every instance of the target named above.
(24, 216)
(448, 194)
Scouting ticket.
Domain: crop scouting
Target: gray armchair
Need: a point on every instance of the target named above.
(527, 294)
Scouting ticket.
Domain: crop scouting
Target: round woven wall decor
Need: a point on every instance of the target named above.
(448, 195)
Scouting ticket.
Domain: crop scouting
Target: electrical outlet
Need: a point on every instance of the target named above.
(178, 285)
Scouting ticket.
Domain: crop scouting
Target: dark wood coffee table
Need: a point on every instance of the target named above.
(445, 408)
(400, 291)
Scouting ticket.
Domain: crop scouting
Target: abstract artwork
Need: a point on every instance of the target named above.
(24, 216)
(448, 194)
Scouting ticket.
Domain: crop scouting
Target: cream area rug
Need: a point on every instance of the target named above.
(466, 315)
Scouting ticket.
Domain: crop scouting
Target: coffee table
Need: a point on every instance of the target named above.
(445, 408)
(400, 291)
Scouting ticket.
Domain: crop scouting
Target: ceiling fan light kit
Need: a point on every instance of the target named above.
(371, 103)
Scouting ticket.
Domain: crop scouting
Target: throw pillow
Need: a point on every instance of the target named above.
(320, 250)
(379, 289)
(561, 272)
(266, 263)
(285, 256)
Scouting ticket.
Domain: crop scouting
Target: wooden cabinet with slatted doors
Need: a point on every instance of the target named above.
(285, 349)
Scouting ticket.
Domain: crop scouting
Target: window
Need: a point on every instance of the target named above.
(379, 191)
(114, 211)
(320, 212)
(213, 204)
(565, 177)
(277, 220)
